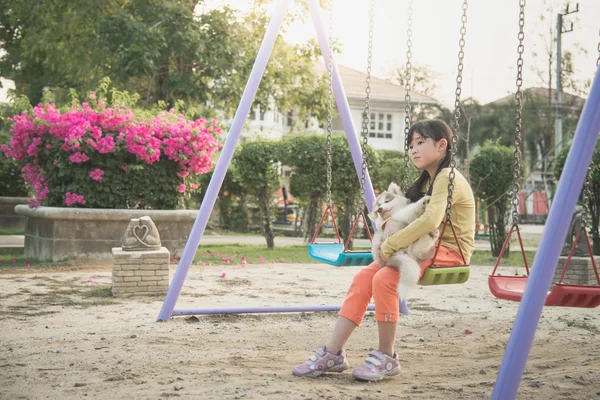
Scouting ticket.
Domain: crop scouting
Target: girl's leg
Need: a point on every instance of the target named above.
(385, 286)
(341, 333)
(354, 307)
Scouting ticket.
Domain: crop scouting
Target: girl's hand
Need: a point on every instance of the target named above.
(383, 259)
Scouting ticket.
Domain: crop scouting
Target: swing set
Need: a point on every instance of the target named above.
(339, 254)
(531, 291)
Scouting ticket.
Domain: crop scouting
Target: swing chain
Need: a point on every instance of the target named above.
(367, 110)
(518, 118)
(459, 78)
(407, 86)
(328, 146)
(598, 60)
(587, 194)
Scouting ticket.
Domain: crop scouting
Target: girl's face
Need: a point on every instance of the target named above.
(426, 153)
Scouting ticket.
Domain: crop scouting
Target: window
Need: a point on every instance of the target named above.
(252, 115)
(262, 115)
(381, 125)
(289, 118)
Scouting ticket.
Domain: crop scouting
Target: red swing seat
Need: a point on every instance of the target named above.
(561, 295)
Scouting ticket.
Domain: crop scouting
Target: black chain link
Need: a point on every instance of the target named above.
(328, 146)
(367, 110)
(587, 194)
(598, 60)
(407, 86)
(454, 144)
(518, 118)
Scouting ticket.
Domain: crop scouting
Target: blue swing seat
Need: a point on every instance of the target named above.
(333, 254)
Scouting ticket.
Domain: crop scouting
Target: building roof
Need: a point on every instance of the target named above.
(540, 92)
(355, 83)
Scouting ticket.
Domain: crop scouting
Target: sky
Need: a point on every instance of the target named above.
(491, 43)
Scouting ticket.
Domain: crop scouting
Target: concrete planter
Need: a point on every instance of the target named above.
(8, 217)
(56, 233)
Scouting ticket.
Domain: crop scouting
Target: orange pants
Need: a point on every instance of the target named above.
(382, 285)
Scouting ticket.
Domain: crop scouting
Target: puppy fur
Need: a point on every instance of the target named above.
(393, 212)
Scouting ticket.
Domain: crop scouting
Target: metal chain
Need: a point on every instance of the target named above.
(454, 144)
(407, 86)
(587, 194)
(598, 60)
(518, 118)
(367, 110)
(328, 146)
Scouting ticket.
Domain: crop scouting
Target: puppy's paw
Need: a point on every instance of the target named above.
(435, 235)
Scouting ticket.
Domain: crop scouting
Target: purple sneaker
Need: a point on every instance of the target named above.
(320, 362)
(377, 366)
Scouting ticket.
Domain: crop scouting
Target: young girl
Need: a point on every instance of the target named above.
(429, 145)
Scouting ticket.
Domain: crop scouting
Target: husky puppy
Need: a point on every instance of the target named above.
(393, 212)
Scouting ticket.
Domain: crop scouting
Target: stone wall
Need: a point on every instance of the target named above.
(9, 219)
(580, 271)
(139, 273)
(56, 233)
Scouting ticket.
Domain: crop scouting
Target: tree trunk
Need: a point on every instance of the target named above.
(594, 225)
(225, 212)
(162, 76)
(497, 226)
(298, 221)
(245, 223)
(311, 223)
(265, 211)
(347, 222)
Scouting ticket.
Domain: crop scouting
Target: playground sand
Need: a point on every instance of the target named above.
(61, 338)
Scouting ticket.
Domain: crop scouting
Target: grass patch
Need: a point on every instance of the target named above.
(227, 254)
(515, 258)
(13, 258)
(579, 324)
(7, 231)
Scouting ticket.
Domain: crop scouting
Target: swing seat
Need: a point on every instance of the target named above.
(333, 254)
(512, 288)
(445, 275)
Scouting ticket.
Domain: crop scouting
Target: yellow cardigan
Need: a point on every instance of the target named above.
(463, 218)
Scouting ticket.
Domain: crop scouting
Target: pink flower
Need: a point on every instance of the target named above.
(223, 275)
(212, 254)
(225, 260)
(282, 259)
(124, 168)
(78, 157)
(96, 174)
(181, 188)
(73, 198)
(262, 259)
(193, 186)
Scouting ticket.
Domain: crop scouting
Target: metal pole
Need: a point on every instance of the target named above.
(342, 104)
(558, 105)
(231, 141)
(544, 265)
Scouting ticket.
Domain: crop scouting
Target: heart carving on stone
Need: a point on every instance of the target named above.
(144, 232)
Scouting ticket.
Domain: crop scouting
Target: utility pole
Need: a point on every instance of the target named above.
(558, 136)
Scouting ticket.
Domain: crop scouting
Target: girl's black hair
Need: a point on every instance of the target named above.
(435, 129)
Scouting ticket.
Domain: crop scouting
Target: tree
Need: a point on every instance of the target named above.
(594, 199)
(306, 155)
(389, 168)
(256, 163)
(491, 171)
(162, 49)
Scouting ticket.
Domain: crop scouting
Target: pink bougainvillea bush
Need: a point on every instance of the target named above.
(104, 157)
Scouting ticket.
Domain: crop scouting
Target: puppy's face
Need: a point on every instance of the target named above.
(387, 202)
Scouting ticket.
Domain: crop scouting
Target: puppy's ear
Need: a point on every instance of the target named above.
(394, 189)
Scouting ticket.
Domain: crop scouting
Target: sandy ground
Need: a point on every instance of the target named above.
(61, 338)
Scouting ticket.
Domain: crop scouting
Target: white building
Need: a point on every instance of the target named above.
(387, 113)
